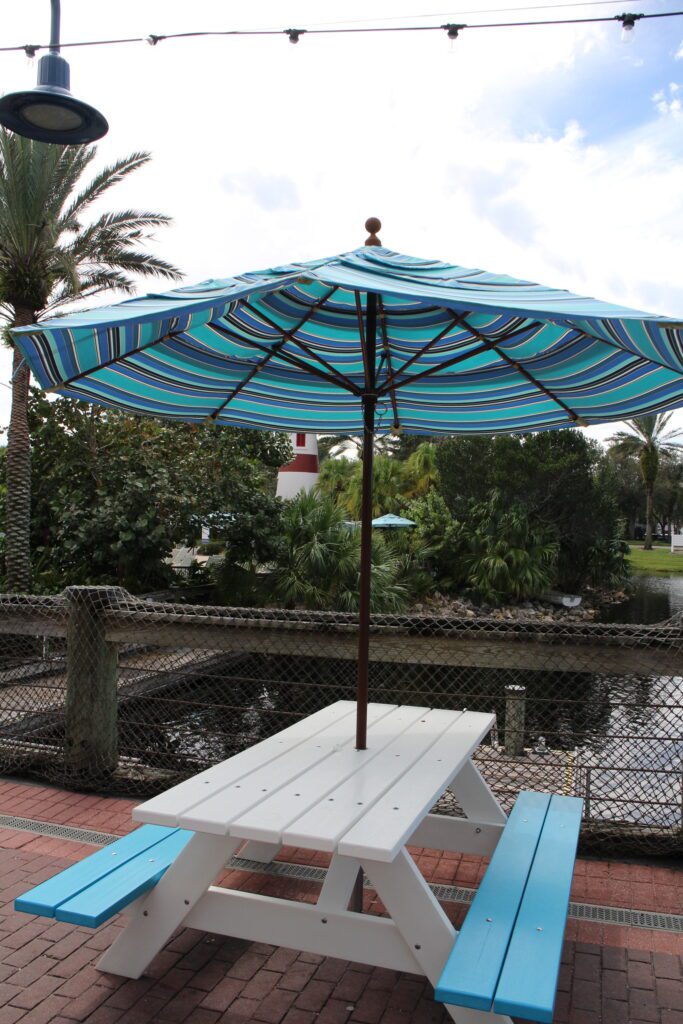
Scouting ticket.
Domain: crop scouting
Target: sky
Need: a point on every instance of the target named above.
(552, 154)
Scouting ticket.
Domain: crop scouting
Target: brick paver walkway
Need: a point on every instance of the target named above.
(610, 975)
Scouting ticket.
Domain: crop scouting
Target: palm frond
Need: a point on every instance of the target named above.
(102, 182)
(47, 256)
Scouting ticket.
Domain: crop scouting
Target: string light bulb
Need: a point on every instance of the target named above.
(628, 23)
(452, 31)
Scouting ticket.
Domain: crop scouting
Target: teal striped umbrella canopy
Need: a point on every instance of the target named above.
(457, 351)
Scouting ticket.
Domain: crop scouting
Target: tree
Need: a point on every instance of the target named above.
(509, 556)
(49, 256)
(620, 477)
(422, 469)
(334, 477)
(318, 565)
(336, 445)
(388, 487)
(668, 494)
(649, 440)
(114, 493)
(555, 476)
(442, 538)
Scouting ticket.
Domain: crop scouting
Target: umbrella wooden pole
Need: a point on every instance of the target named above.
(368, 339)
(369, 405)
(365, 572)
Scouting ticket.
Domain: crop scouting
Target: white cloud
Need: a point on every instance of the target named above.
(269, 191)
(666, 101)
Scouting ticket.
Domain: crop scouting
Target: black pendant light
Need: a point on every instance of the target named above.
(49, 113)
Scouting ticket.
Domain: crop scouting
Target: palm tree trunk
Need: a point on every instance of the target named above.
(649, 491)
(18, 502)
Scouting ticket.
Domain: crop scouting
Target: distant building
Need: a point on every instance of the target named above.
(302, 472)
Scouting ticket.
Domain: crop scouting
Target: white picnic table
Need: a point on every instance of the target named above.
(309, 787)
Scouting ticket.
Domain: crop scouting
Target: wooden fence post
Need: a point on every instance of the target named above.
(91, 740)
(515, 713)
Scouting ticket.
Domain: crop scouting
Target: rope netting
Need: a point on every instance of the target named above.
(102, 690)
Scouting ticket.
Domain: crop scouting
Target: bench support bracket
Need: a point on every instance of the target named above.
(159, 914)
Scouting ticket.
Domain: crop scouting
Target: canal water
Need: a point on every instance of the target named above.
(653, 599)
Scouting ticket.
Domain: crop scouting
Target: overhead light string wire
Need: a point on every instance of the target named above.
(627, 20)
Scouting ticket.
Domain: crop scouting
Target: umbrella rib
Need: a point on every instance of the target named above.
(116, 359)
(489, 344)
(520, 369)
(287, 357)
(425, 348)
(486, 347)
(361, 335)
(243, 383)
(574, 416)
(387, 353)
(290, 335)
(273, 351)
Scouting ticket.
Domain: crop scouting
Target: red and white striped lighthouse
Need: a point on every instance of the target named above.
(301, 474)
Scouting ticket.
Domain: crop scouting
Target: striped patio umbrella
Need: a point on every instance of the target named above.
(364, 341)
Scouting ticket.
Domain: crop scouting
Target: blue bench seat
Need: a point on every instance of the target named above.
(92, 891)
(506, 957)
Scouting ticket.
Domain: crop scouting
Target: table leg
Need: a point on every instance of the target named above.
(340, 884)
(265, 853)
(356, 901)
(166, 906)
(475, 797)
(423, 924)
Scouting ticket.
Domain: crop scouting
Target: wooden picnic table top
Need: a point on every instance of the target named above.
(308, 786)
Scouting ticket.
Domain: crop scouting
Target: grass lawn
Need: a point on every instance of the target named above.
(659, 560)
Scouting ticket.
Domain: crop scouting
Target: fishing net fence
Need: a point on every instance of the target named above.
(100, 690)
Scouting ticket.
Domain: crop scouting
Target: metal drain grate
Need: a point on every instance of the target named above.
(280, 868)
(447, 893)
(629, 918)
(47, 828)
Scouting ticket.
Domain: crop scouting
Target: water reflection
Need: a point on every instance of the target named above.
(654, 599)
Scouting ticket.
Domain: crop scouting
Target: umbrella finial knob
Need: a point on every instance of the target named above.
(373, 225)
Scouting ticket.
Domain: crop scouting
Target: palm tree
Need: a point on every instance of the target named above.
(48, 257)
(388, 487)
(422, 469)
(319, 561)
(336, 445)
(648, 440)
(334, 477)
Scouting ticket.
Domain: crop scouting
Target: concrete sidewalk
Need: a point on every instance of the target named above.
(610, 974)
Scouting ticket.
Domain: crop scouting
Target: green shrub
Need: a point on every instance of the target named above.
(318, 563)
(441, 538)
(508, 557)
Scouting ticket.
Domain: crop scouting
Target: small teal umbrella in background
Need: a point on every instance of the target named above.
(368, 340)
(391, 522)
